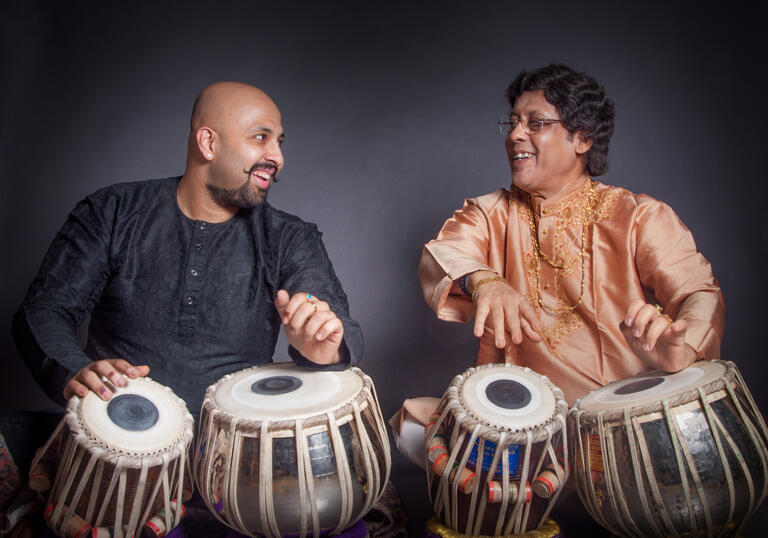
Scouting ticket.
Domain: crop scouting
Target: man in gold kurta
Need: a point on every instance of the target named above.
(580, 281)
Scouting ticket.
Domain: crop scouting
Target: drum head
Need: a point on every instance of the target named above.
(651, 387)
(143, 416)
(285, 392)
(508, 397)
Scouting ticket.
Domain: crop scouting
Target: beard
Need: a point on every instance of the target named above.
(244, 197)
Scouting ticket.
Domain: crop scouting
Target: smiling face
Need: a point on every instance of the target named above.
(549, 162)
(244, 148)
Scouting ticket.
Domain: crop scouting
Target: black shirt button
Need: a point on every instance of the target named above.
(190, 301)
(203, 225)
(194, 272)
(198, 246)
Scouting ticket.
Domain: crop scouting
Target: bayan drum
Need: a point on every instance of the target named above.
(119, 464)
(495, 451)
(283, 450)
(662, 454)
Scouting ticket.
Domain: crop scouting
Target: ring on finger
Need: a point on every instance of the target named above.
(658, 307)
(667, 318)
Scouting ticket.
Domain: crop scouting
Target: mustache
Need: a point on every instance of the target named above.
(261, 165)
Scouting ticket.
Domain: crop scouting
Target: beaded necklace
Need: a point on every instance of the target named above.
(589, 211)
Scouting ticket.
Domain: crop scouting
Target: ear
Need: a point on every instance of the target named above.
(583, 144)
(206, 142)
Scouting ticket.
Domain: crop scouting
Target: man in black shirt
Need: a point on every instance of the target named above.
(188, 277)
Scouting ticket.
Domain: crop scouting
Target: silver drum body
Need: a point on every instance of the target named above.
(307, 455)
(671, 454)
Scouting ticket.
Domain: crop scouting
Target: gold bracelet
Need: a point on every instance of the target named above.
(486, 280)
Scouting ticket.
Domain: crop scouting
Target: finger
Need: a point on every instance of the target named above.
(315, 321)
(646, 315)
(281, 302)
(513, 323)
(632, 310)
(300, 316)
(529, 331)
(106, 371)
(322, 306)
(129, 369)
(74, 387)
(655, 329)
(529, 315)
(480, 316)
(628, 333)
(497, 319)
(91, 379)
(332, 329)
(295, 304)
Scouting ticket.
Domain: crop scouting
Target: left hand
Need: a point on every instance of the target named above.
(655, 338)
(310, 326)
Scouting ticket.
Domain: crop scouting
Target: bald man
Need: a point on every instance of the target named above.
(189, 277)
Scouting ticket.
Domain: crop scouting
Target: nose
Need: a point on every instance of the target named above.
(519, 132)
(274, 154)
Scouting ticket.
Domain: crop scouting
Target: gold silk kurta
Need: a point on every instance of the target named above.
(636, 248)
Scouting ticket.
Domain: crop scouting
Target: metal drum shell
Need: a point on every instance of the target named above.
(229, 474)
(542, 445)
(105, 483)
(627, 462)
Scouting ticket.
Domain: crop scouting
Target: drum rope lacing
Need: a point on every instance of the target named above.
(79, 440)
(463, 422)
(377, 478)
(606, 420)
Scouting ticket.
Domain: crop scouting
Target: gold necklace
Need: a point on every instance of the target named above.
(588, 212)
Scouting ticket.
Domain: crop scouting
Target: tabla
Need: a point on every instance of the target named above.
(495, 450)
(283, 450)
(119, 464)
(667, 454)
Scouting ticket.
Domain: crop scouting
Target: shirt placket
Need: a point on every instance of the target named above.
(194, 278)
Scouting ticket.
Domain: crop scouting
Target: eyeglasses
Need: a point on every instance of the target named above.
(533, 125)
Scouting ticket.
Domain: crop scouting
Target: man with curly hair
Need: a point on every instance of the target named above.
(583, 282)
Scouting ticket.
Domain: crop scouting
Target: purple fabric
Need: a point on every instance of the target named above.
(357, 530)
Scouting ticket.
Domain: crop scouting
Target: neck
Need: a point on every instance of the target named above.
(560, 191)
(196, 203)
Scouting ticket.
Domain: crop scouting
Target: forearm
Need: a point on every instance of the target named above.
(52, 355)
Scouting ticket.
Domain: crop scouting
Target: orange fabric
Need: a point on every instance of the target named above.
(637, 248)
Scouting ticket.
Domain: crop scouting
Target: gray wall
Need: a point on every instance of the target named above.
(389, 112)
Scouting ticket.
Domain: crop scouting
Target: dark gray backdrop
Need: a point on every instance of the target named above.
(389, 111)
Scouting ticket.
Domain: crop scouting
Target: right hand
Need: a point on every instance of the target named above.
(89, 378)
(506, 309)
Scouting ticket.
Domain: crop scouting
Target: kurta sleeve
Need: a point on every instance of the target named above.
(68, 284)
(308, 268)
(679, 277)
(461, 247)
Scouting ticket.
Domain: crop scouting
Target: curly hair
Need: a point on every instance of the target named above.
(581, 102)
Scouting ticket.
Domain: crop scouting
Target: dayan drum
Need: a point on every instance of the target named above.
(671, 454)
(283, 450)
(495, 451)
(120, 465)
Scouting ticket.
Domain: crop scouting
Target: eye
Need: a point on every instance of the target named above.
(260, 136)
(513, 122)
(535, 124)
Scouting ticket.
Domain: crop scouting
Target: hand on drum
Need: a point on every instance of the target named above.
(656, 338)
(310, 326)
(90, 377)
(505, 309)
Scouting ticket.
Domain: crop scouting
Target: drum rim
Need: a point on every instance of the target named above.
(492, 431)
(222, 417)
(654, 406)
(131, 458)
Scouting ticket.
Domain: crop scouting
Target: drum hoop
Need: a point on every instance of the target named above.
(675, 400)
(491, 431)
(223, 417)
(132, 459)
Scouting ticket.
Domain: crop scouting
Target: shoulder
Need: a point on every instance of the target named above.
(133, 196)
(494, 203)
(618, 203)
(283, 227)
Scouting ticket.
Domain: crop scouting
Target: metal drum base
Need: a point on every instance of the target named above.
(358, 530)
(548, 529)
